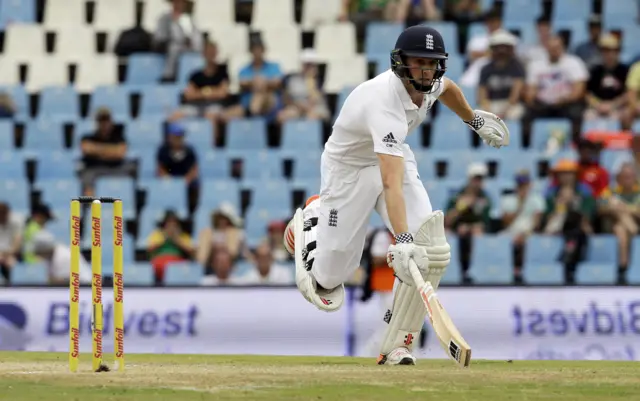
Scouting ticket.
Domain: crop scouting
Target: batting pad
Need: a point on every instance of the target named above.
(405, 318)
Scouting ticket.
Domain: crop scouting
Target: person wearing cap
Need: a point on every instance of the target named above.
(467, 213)
(11, 234)
(260, 84)
(57, 256)
(606, 93)
(502, 79)
(175, 158)
(521, 215)
(620, 205)
(302, 94)
(104, 152)
(555, 89)
(590, 50)
(589, 169)
(40, 216)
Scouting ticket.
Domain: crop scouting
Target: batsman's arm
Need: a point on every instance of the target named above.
(454, 99)
(392, 170)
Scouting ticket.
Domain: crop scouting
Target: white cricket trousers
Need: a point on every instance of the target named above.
(348, 196)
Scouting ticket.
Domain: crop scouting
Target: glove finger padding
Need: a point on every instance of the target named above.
(497, 124)
(398, 257)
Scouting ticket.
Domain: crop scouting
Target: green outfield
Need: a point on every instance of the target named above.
(44, 377)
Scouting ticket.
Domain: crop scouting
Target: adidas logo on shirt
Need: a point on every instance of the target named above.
(390, 140)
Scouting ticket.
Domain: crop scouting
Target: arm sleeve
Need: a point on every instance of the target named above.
(387, 127)
(579, 72)
(509, 204)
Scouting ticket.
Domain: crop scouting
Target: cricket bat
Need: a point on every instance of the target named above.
(450, 338)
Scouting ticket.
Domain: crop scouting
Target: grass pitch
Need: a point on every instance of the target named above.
(45, 377)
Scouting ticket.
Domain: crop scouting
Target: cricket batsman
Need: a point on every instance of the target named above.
(366, 166)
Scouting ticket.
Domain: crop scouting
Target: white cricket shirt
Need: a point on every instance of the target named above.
(376, 118)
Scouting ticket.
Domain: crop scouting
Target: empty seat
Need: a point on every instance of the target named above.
(166, 193)
(306, 165)
(59, 103)
(199, 133)
(212, 164)
(271, 194)
(55, 165)
(183, 274)
(114, 15)
(620, 10)
(44, 134)
(58, 193)
(139, 274)
(543, 274)
(61, 14)
(345, 72)
(30, 274)
(282, 39)
(75, 43)
(9, 72)
(302, 135)
(268, 13)
(159, 100)
(542, 130)
(596, 273)
(336, 40)
(601, 124)
(522, 10)
(231, 40)
(453, 275)
(318, 12)
(603, 248)
(449, 133)
(47, 71)
(15, 190)
(258, 219)
(12, 165)
(6, 136)
(152, 10)
(16, 11)
(96, 71)
(24, 42)
(247, 133)
(188, 63)
(381, 37)
(144, 69)
(214, 13)
(115, 98)
(214, 192)
(123, 188)
(542, 249)
(449, 32)
(260, 165)
(144, 135)
(491, 260)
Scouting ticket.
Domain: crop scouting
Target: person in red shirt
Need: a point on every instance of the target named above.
(590, 171)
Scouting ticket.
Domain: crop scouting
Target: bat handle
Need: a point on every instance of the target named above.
(415, 274)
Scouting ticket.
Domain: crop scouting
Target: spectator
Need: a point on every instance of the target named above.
(11, 233)
(589, 51)
(633, 94)
(589, 170)
(361, 12)
(260, 84)
(468, 213)
(224, 233)
(57, 256)
(175, 34)
(303, 97)
(207, 93)
(622, 205)
(417, 11)
(538, 52)
(478, 45)
(222, 270)
(502, 80)
(176, 158)
(275, 234)
(104, 152)
(521, 215)
(7, 106)
(267, 271)
(40, 216)
(569, 212)
(632, 156)
(462, 10)
(606, 94)
(168, 243)
(555, 88)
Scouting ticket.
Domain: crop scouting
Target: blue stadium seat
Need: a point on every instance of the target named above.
(6, 135)
(147, 222)
(12, 165)
(603, 248)
(380, 38)
(139, 274)
(20, 98)
(571, 10)
(188, 63)
(612, 158)
(620, 10)
(115, 98)
(272, 193)
(160, 100)
(449, 32)
(302, 135)
(247, 134)
(166, 193)
(144, 69)
(542, 249)
(15, 11)
(56, 165)
(144, 134)
(200, 133)
(455, 69)
(477, 29)
(453, 275)
(30, 274)
(511, 163)
(577, 30)
(381, 62)
(526, 32)
(449, 133)
(213, 164)
(543, 274)
(118, 187)
(59, 226)
(438, 195)
(257, 220)
(306, 165)
(44, 134)
(601, 124)
(543, 128)
(15, 191)
(491, 260)
(522, 10)
(147, 164)
(58, 193)
(214, 192)
(596, 273)
(242, 268)
(183, 274)
(128, 246)
(342, 97)
(633, 274)
(265, 164)
(457, 163)
(59, 103)
(515, 137)
(310, 186)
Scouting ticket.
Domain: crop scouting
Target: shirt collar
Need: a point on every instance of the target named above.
(402, 92)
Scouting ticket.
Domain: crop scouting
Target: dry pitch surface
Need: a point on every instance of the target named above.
(44, 377)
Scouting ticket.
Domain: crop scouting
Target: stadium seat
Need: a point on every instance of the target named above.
(453, 275)
(60, 14)
(543, 128)
(96, 71)
(183, 274)
(306, 165)
(596, 273)
(147, 223)
(258, 219)
(543, 274)
(16, 11)
(9, 73)
(44, 134)
(152, 10)
(59, 103)
(20, 99)
(259, 165)
(449, 133)
(144, 135)
(269, 13)
(302, 135)
(571, 10)
(47, 71)
(336, 40)
(166, 193)
(620, 10)
(213, 164)
(58, 193)
(30, 274)
(310, 186)
(55, 165)
(144, 69)
(139, 274)
(270, 194)
(12, 166)
(214, 192)
(603, 248)
(519, 11)
(24, 42)
(15, 191)
(59, 226)
(449, 32)
(231, 40)
(381, 61)
(115, 98)
(75, 43)
(282, 39)
(214, 13)
(159, 100)
(114, 15)
(247, 134)
(123, 188)
(318, 12)
(542, 249)
(188, 63)
(380, 38)
(6, 135)
(491, 260)
(578, 31)
(199, 133)
(345, 72)
(342, 97)
(601, 124)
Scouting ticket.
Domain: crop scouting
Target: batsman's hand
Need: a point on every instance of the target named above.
(490, 128)
(400, 253)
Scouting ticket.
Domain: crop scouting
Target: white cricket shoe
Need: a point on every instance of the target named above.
(399, 356)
